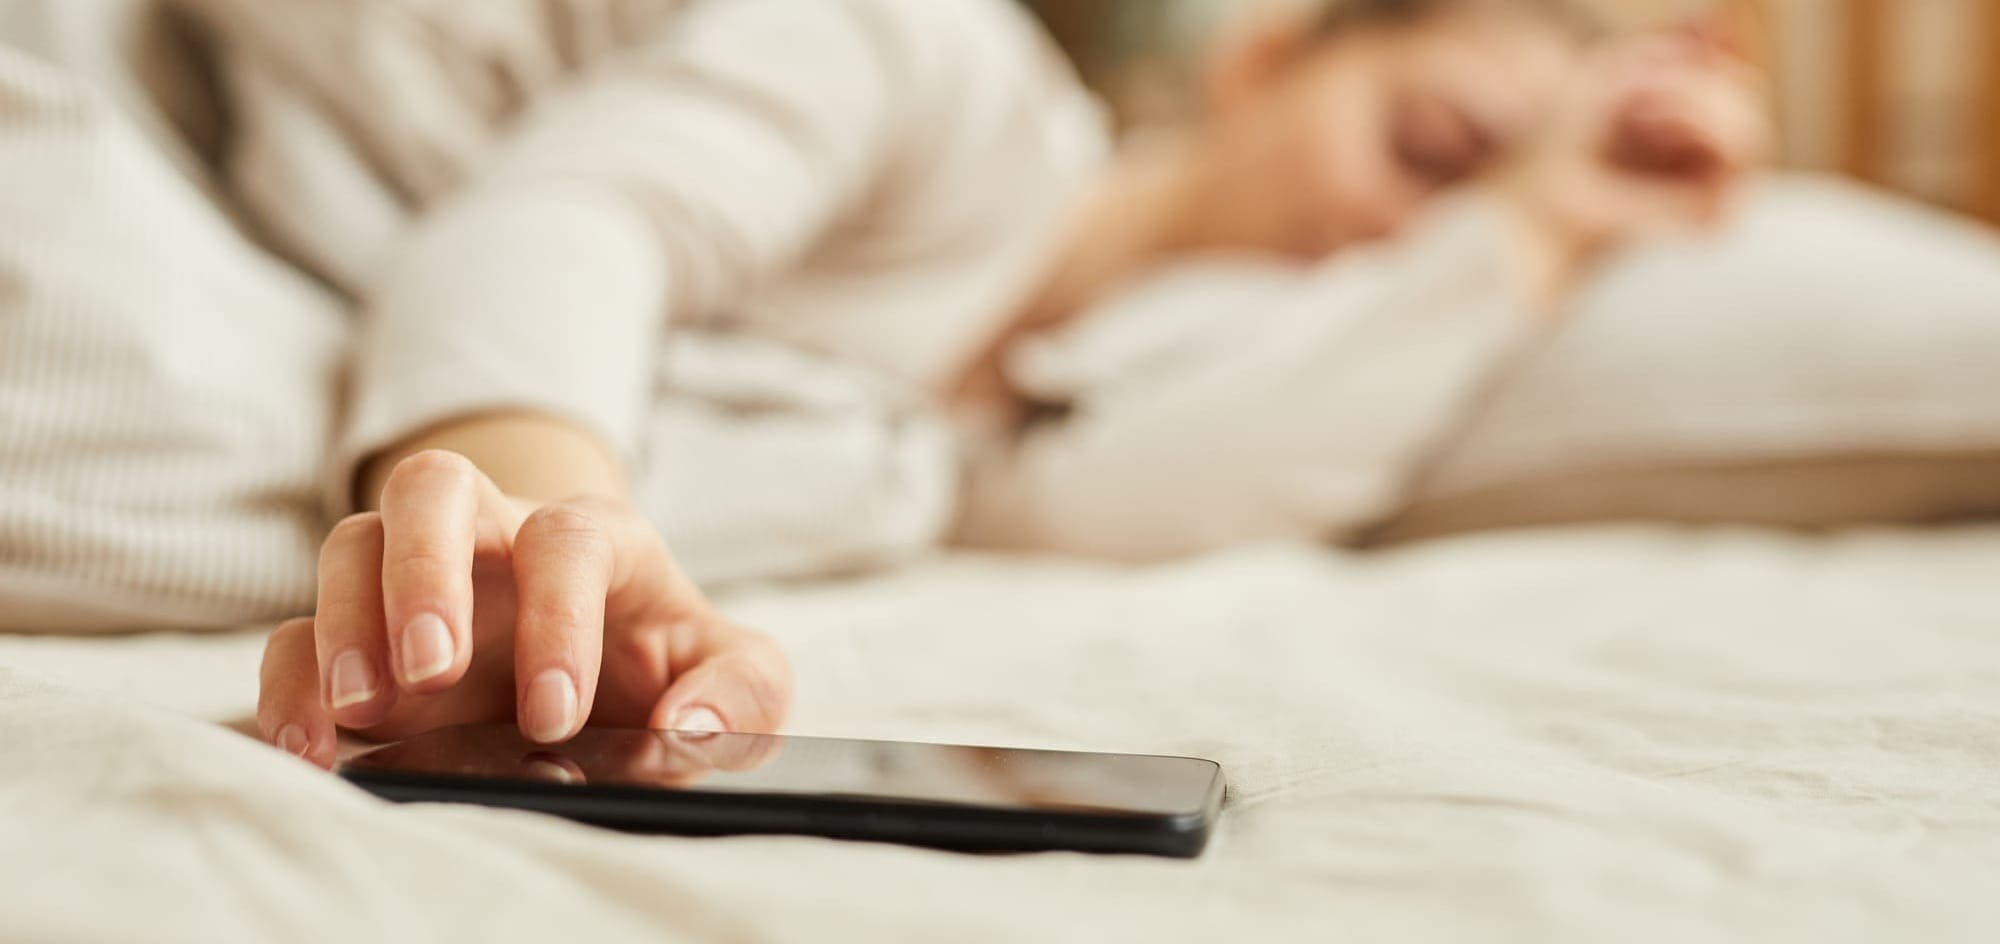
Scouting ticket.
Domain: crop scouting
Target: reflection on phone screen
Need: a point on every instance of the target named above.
(772, 764)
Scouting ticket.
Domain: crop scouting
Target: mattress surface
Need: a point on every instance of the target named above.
(1600, 734)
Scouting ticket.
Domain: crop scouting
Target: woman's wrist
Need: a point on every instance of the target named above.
(1549, 254)
(532, 457)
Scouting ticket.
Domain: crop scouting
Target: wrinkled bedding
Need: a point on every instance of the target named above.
(1607, 734)
(1601, 734)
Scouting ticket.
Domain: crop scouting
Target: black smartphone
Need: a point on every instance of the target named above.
(974, 799)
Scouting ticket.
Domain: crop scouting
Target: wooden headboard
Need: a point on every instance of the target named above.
(1986, 154)
(1873, 37)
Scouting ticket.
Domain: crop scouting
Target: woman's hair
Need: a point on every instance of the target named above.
(1339, 16)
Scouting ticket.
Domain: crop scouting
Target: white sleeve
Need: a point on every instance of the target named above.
(662, 183)
(1309, 416)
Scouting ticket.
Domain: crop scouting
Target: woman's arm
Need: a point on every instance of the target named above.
(507, 361)
(1316, 416)
(1306, 425)
(661, 185)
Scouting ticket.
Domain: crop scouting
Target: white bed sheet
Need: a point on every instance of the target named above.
(1605, 734)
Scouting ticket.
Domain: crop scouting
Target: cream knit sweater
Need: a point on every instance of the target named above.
(520, 199)
(527, 195)
(527, 201)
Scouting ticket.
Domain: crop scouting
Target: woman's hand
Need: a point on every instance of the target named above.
(456, 604)
(1656, 136)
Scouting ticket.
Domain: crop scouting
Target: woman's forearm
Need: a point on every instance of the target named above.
(1548, 259)
(530, 456)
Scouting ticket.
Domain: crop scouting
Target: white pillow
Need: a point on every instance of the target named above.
(1828, 321)
(165, 387)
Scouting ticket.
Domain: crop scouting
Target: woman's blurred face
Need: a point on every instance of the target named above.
(1314, 144)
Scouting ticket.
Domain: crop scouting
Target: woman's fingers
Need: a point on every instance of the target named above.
(565, 563)
(430, 509)
(391, 649)
(350, 646)
(290, 712)
(1691, 112)
(439, 513)
(604, 609)
(740, 682)
(1711, 131)
(1736, 121)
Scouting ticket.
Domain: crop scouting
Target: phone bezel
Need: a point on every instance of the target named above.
(692, 811)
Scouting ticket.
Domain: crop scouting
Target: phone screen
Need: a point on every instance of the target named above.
(768, 765)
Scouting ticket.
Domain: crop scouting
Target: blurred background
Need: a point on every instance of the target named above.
(1902, 93)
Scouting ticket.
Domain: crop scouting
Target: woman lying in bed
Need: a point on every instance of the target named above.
(914, 185)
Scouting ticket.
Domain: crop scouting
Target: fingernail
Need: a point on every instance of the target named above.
(550, 706)
(427, 648)
(292, 740)
(700, 720)
(353, 681)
